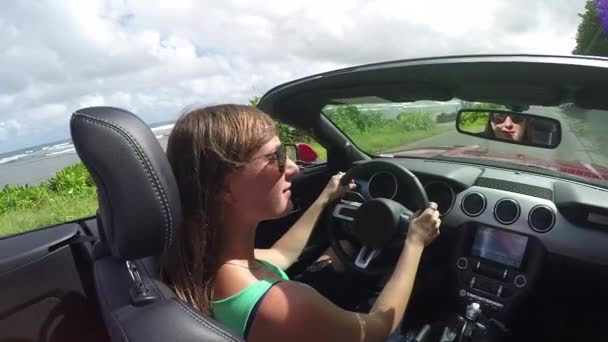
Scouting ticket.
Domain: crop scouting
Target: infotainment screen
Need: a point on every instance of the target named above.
(499, 246)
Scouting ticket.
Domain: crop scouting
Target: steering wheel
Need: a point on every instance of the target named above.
(378, 222)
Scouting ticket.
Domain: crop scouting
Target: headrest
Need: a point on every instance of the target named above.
(139, 204)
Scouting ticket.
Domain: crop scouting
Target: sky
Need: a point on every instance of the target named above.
(155, 58)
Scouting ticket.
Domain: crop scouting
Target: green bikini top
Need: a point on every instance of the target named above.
(237, 311)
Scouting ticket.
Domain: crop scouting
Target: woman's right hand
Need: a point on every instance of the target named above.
(424, 228)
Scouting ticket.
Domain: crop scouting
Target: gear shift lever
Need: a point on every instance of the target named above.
(471, 326)
(465, 327)
(472, 312)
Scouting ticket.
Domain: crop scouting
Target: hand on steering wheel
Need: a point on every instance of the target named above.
(379, 222)
(335, 189)
(424, 228)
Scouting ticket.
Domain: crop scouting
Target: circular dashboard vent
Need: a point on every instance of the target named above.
(541, 218)
(473, 204)
(506, 211)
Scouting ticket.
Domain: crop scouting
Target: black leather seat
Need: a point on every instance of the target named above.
(139, 216)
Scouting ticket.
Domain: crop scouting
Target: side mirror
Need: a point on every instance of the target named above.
(301, 153)
(510, 127)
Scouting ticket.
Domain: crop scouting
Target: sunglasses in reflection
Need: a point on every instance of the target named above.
(498, 118)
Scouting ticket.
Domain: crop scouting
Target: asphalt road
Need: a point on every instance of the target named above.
(571, 147)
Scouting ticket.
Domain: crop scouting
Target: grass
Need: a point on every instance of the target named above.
(388, 137)
(62, 209)
(475, 127)
(321, 151)
(71, 193)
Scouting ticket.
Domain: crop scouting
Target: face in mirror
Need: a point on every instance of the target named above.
(512, 127)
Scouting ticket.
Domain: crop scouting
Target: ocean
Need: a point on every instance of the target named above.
(35, 164)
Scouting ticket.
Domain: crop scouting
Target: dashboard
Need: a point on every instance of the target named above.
(566, 217)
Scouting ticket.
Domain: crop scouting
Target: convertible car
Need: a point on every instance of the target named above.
(523, 253)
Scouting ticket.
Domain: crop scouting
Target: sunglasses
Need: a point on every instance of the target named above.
(280, 155)
(498, 118)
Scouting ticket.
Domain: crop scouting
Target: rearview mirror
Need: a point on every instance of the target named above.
(510, 127)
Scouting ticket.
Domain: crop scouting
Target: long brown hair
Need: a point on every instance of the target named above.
(205, 145)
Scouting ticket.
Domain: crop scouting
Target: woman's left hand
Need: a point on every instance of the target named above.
(334, 189)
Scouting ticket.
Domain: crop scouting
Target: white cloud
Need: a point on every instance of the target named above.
(9, 129)
(156, 57)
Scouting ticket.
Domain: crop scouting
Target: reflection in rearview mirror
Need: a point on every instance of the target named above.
(511, 127)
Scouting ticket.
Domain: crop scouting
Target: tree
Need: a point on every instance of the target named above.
(592, 34)
(287, 134)
(445, 117)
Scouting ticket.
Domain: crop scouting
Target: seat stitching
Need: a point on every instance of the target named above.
(150, 171)
(206, 324)
(167, 219)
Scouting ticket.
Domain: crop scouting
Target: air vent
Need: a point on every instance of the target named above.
(541, 218)
(525, 189)
(506, 211)
(473, 204)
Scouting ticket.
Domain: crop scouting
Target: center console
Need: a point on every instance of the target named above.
(494, 271)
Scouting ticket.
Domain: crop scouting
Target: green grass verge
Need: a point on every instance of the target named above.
(59, 210)
(474, 127)
(69, 195)
(385, 138)
(321, 151)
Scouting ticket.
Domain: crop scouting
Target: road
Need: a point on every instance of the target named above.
(570, 148)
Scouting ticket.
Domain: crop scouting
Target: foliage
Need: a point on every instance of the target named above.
(482, 105)
(72, 179)
(592, 37)
(69, 195)
(388, 138)
(287, 134)
(472, 118)
(409, 122)
(73, 182)
(351, 120)
(445, 117)
(61, 209)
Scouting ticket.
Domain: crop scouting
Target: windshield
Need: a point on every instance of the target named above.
(427, 129)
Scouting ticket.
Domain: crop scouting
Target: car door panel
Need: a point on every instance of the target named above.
(47, 293)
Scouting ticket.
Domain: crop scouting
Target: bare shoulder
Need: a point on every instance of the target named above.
(297, 312)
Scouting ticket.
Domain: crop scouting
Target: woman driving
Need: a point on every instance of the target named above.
(507, 126)
(232, 173)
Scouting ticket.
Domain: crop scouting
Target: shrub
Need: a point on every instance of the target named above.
(72, 181)
(445, 117)
(415, 121)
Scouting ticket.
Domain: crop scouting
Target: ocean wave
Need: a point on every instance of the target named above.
(12, 158)
(58, 146)
(69, 150)
(160, 128)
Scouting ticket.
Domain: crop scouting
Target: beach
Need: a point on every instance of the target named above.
(36, 164)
